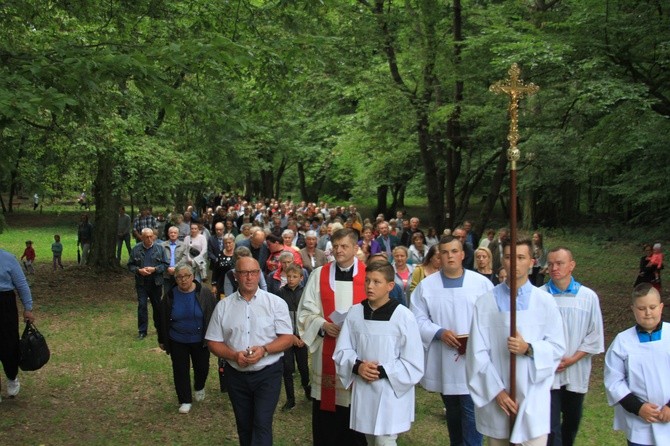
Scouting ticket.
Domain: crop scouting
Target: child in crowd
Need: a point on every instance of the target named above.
(377, 356)
(57, 250)
(636, 369)
(656, 260)
(29, 256)
(291, 293)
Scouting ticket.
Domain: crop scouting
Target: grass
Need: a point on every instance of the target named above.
(102, 387)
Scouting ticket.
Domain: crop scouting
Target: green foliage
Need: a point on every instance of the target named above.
(188, 98)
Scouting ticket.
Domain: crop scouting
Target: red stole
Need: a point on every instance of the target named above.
(328, 374)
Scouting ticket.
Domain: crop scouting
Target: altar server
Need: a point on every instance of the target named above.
(443, 304)
(636, 373)
(538, 345)
(378, 356)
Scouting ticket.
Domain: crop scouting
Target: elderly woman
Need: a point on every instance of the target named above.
(403, 271)
(484, 264)
(312, 257)
(287, 236)
(224, 263)
(184, 314)
(277, 279)
(418, 249)
(431, 264)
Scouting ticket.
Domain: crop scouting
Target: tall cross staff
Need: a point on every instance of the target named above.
(516, 89)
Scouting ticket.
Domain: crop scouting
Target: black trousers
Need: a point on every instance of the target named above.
(254, 396)
(291, 356)
(9, 334)
(569, 405)
(332, 428)
(182, 355)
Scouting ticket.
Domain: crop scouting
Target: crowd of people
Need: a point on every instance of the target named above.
(380, 306)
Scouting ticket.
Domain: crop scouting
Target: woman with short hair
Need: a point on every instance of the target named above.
(184, 315)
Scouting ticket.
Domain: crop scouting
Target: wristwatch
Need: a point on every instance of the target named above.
(265, 352)
(529, 352)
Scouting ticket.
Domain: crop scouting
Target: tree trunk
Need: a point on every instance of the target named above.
(267, 183)
(103, 248)
(454, 135)
(494, 193)
(304, 195)
(381, 208)
(280, 174)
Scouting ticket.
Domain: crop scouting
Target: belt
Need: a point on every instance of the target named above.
(252, 372)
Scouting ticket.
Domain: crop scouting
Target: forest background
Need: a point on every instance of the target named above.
(158, 101)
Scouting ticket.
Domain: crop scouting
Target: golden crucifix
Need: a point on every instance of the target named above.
(516, 89)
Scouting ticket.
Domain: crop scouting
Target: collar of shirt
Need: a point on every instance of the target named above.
(448, 282)
(644, 336)
(572, 288)
(501, 294)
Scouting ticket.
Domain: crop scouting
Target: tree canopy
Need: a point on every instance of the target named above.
(160, 101)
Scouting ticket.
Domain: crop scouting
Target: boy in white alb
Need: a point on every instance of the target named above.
(378, 355)
(636, 373)
(443, 305)
(538, 347)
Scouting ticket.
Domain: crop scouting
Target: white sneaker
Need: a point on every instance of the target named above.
(185, 408)
(199, 395)
(13, 387)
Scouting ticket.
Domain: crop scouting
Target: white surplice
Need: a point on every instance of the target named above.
(641, 368)
(583, 331)
(384, 406)
(436, 307)
(488, 365)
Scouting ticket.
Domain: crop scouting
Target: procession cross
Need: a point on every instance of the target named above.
(516, 89)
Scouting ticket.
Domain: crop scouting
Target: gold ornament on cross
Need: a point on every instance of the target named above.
(516, 89)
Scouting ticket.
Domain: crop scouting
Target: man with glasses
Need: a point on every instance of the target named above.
(330, 291)
(250, 330)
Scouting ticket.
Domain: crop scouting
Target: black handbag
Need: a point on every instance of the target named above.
(33, 348)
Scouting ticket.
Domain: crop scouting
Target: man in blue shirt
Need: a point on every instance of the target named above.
(11, 279)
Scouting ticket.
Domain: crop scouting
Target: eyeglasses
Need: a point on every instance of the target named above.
(183, 277)
(251, 273)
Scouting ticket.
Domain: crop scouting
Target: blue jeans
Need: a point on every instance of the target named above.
(461, 421)
(148, 292)
(254, 396)
(568, 405)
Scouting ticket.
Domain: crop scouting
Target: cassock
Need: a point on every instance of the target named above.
(487, 361)
(583, 330)
(639, 365)
(311, 318)
(438, 303)
(390, 336)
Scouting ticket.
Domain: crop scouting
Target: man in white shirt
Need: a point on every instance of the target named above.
(250, 329)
